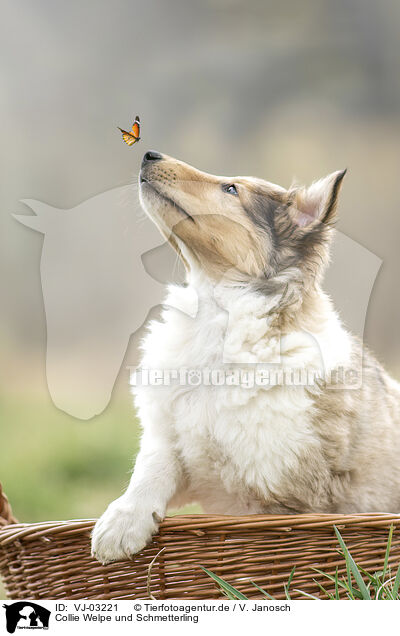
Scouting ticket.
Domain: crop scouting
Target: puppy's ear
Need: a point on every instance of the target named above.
(317, 202)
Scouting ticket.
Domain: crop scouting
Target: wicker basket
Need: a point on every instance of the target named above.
(52, 560)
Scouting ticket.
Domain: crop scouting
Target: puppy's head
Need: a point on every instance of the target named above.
(240, 228)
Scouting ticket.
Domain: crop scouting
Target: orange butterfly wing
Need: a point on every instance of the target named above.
(136, 128)
(127, 137)
(134, 135)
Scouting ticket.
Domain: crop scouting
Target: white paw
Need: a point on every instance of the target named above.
(124, 529)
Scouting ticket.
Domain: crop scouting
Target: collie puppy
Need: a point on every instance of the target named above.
(254, 254)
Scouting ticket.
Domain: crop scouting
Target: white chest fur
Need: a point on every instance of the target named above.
(237, 439)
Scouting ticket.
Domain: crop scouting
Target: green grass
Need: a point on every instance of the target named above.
(358, 584)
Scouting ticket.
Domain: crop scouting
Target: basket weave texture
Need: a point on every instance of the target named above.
(52, 560)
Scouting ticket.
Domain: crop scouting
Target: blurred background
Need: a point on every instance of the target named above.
(280, 90)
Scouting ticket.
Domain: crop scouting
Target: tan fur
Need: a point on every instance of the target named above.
(200, 192)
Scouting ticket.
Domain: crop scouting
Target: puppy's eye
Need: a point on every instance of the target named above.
(230, 189)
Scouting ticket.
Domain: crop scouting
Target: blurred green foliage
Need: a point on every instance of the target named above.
(53, 466)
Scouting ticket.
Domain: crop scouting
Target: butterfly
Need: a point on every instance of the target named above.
(134, 135)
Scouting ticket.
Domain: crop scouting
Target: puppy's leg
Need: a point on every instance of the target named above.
(130, 521)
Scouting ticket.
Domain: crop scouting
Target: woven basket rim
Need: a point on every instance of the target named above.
(198, 523)
(52, 559)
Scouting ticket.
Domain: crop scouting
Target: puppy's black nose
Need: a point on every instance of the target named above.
(151, 155)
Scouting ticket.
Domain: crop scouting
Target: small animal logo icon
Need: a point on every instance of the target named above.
(26, 615)
(134, 135)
